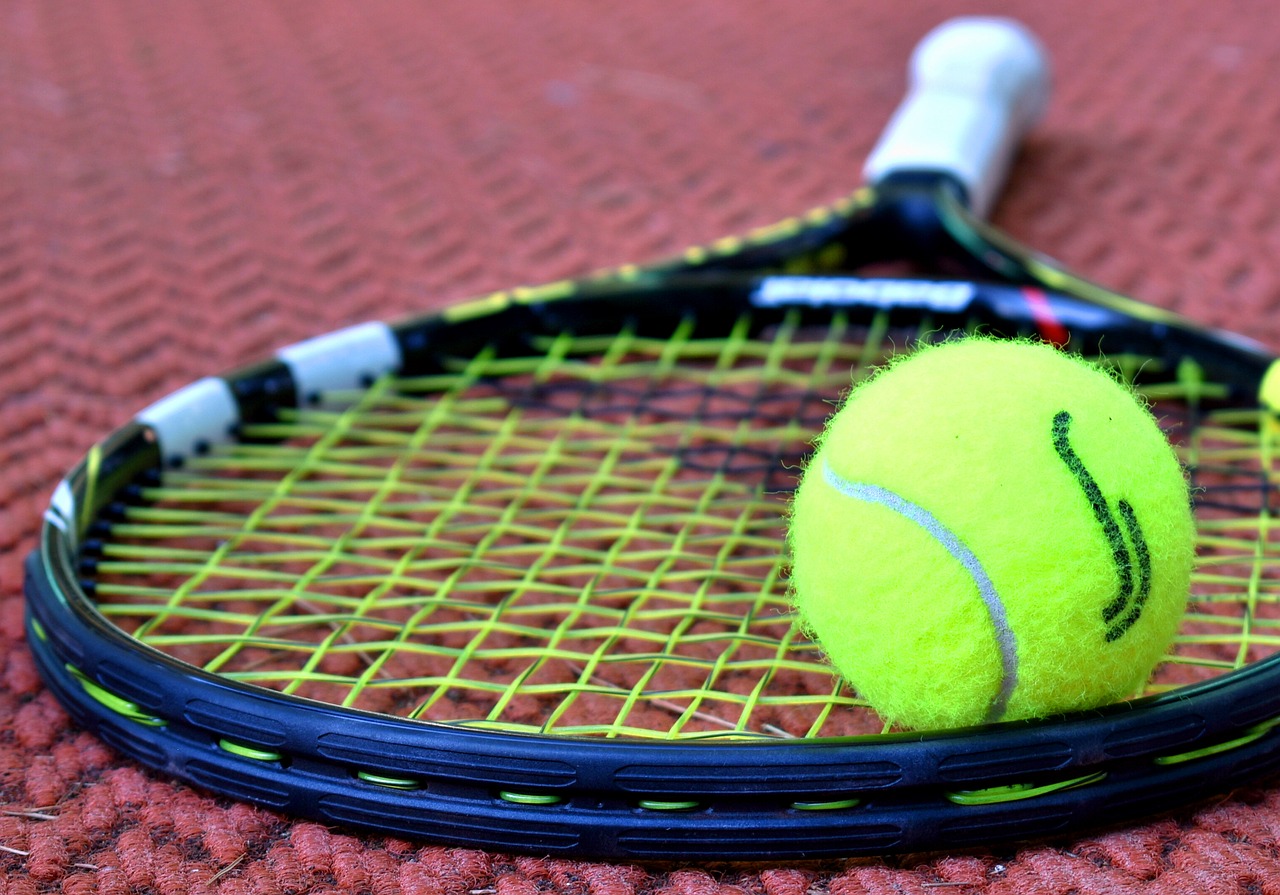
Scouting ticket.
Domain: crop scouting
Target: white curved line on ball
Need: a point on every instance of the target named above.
(1006, 642)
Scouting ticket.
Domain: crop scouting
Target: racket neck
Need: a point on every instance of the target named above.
(913, 223)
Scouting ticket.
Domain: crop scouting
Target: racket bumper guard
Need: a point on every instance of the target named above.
(346, 360)
(192, 419)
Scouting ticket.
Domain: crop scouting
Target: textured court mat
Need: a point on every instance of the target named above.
(184, 187)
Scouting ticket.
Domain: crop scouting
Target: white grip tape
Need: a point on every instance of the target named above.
(977, 85)
(344, 360)
(198, 416)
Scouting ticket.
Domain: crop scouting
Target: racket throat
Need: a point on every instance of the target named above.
(909, 223)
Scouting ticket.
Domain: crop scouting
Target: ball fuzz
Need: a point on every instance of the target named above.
(989, 531)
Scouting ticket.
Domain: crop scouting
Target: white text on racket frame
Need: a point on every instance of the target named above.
(935, 295)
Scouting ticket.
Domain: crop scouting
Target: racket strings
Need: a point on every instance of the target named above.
(587, 540)
(1233, 618)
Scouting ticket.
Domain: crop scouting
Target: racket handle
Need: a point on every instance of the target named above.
(977, 85)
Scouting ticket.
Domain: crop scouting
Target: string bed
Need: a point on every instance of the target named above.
(588, 540)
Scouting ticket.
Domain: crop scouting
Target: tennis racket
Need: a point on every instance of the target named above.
(511, 576)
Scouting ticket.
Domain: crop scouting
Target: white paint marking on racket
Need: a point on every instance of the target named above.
(62, 509)
(1006, 642)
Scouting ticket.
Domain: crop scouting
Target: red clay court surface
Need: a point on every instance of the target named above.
(184, 187)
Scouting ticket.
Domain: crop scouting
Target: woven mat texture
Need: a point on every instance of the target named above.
(185, 186)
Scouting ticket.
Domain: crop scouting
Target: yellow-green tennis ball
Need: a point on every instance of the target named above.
(988, 531)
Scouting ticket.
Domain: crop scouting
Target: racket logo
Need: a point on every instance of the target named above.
(1129, 549)
(820, 292)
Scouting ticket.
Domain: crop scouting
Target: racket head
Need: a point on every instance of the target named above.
(479, 602)
(735, 740)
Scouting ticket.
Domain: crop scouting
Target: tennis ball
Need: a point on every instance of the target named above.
(989, 531)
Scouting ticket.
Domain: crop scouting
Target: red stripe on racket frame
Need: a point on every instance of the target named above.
(1048, 324)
